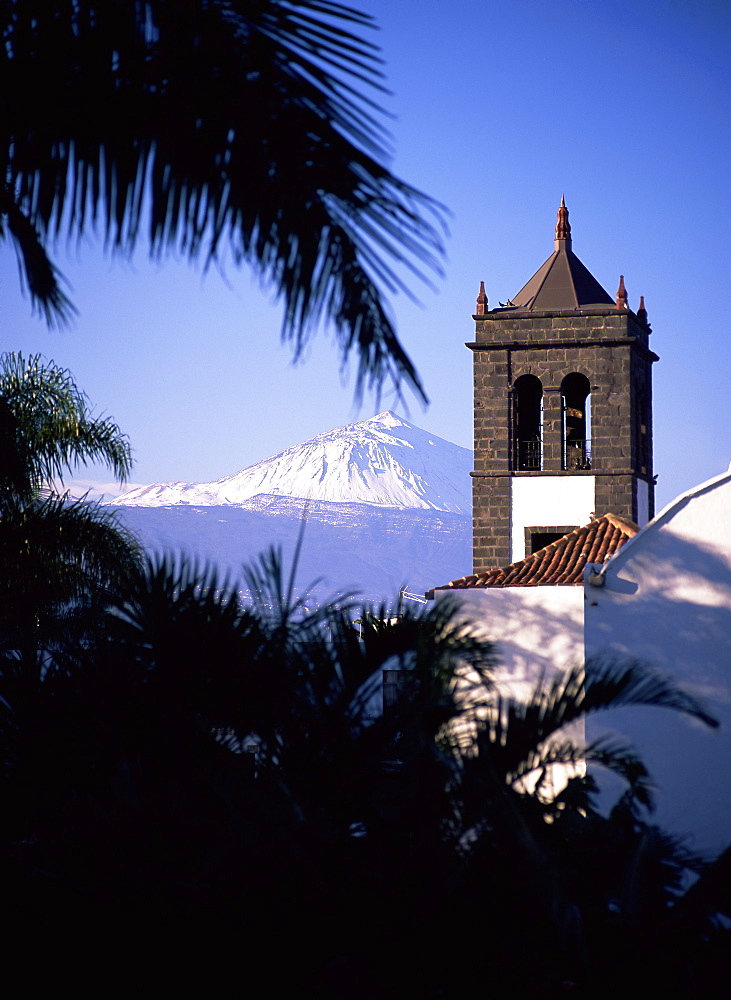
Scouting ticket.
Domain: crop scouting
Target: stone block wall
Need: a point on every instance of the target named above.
(490, 522)
(616, 494)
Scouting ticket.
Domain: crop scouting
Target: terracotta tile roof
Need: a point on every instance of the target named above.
(561, 563)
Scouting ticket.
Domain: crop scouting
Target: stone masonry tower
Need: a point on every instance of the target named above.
(563, 409)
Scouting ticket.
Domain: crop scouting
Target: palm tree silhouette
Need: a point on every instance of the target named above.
(47, 428)
(215, 130)
(213, 766)
(57, 556)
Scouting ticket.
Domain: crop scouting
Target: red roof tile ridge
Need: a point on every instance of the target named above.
(624, 524)
(561, 562)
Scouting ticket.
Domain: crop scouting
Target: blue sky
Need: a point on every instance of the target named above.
(498, 108)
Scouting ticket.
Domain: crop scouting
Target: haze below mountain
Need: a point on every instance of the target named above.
(384, 504)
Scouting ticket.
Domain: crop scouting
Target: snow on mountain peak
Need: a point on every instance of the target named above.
(385, 461)
(388, 419)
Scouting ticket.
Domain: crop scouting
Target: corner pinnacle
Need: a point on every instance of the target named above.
(622, 294)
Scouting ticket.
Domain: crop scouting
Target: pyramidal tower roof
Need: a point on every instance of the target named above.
(562, 282)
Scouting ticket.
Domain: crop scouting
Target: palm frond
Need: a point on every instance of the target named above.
(572, 757)
(232, 124)
(60, 562)
(534, 745)
(83, 538)
(38, 273)
(573, 695)
(273, 592)
(612, 684)
(47, 427)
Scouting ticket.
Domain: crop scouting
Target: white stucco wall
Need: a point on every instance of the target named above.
(666, 599)
(522, 622)
(546, 500)
(643, 502)
(537, 632)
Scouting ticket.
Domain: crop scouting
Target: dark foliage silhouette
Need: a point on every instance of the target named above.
(59, 558)
(215, 129)
(222, 770)
(47, 428)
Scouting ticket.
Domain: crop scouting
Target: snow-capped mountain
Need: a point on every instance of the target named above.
(386, 461)
(383, 505)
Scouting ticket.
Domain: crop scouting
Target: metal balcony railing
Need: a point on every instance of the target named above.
(528, 457)
(577, 455)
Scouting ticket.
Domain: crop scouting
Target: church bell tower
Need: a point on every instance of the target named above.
(563, 409)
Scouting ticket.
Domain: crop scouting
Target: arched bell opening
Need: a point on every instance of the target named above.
(528, 423)
(576, 409)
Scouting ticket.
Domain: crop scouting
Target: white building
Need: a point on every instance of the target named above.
(665, 598)
(661, 595)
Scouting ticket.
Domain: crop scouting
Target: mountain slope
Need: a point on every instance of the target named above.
(385, 461)
(364, 548)
(384, 505)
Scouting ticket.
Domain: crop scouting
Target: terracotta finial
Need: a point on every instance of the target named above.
(622, 294)
(481, 300)
(642, 312)
(563, 227)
